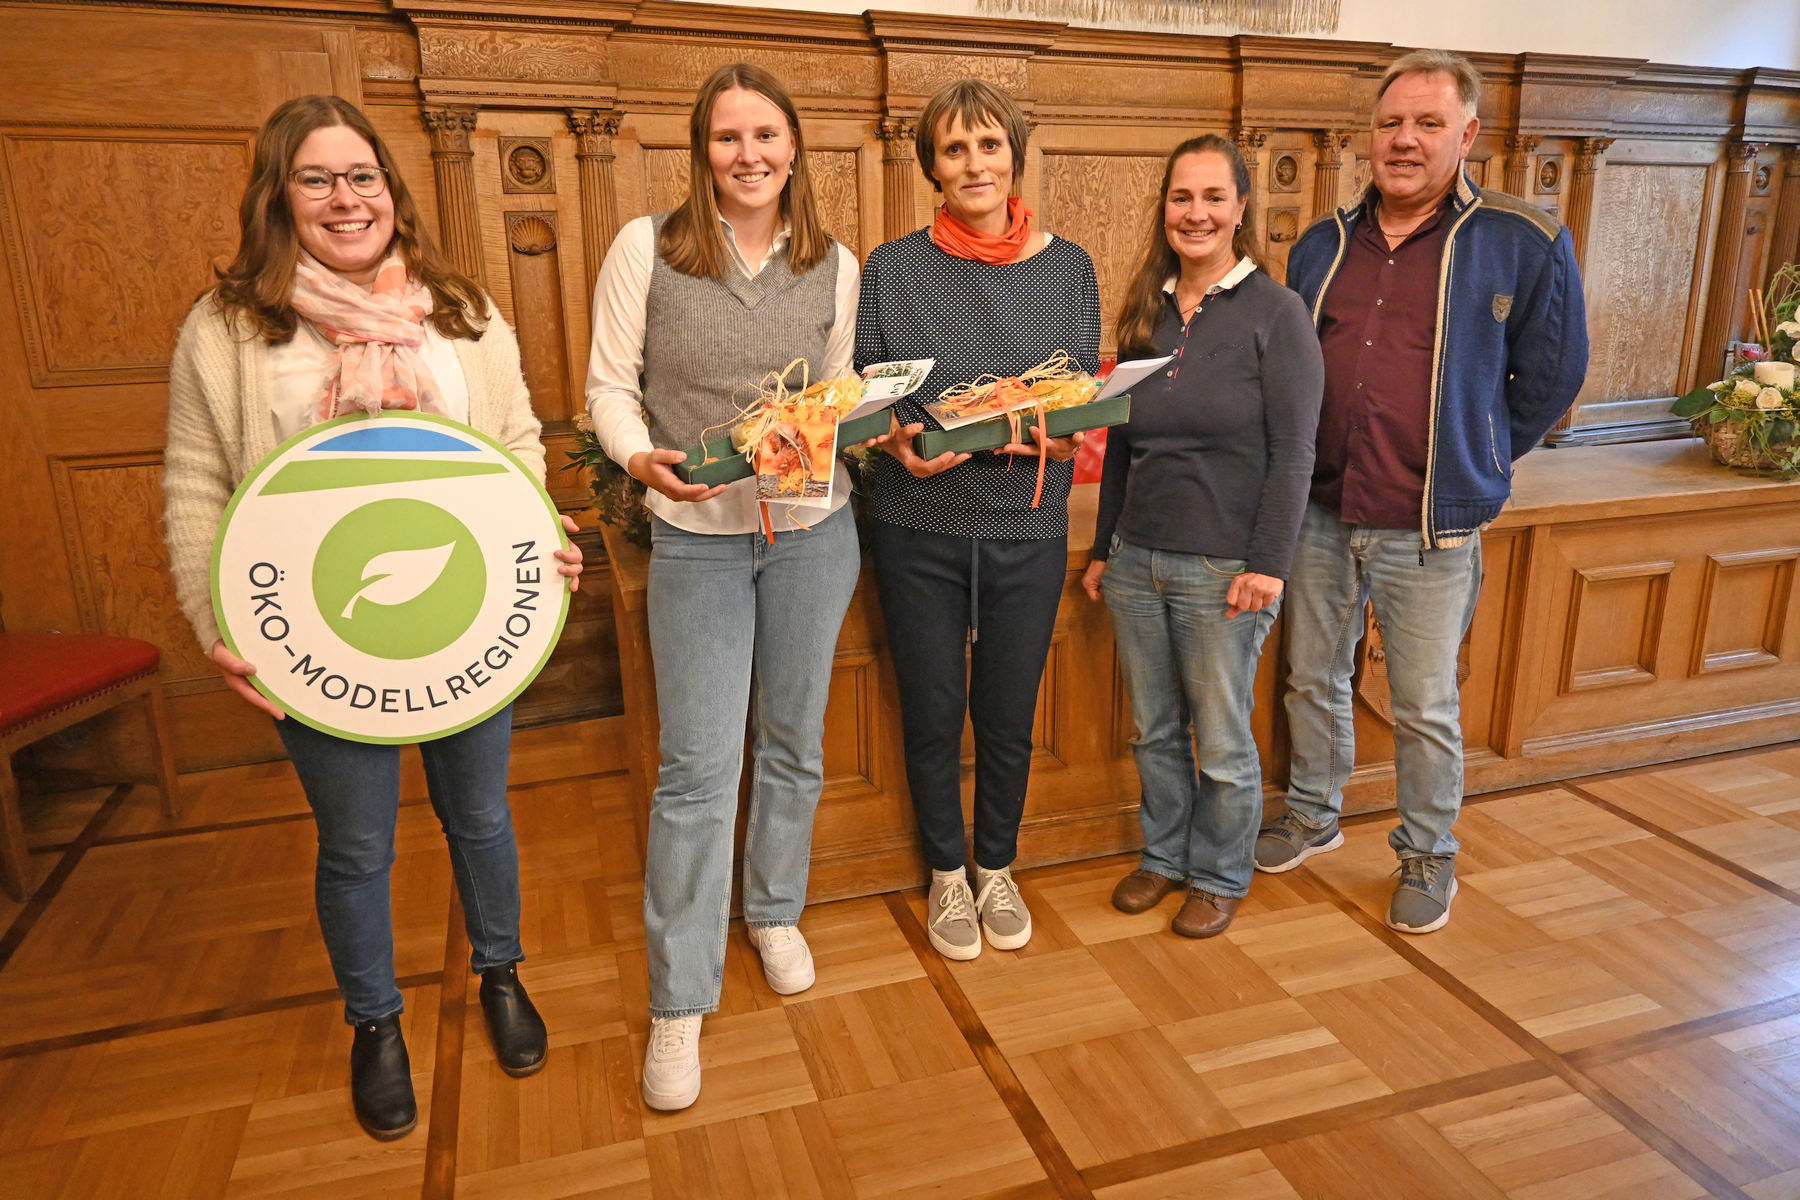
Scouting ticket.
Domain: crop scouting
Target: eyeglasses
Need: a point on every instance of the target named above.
(316, 183)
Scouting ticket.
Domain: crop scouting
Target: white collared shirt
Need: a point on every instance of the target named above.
(1242, 271)
(615, 398)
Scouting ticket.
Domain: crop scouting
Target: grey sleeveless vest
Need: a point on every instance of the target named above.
(707, 344)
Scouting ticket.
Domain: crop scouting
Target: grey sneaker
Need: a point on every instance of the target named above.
(1004, 918)
(1422, 901)
(1290, 841)
(952, 929)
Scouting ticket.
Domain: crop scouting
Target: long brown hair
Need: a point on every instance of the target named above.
(691, 241)
(1142, 308)
(257, 288)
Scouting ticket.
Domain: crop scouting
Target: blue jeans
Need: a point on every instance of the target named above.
(1423, 611)
(1191, 676)
(354, 791)
(731, 614)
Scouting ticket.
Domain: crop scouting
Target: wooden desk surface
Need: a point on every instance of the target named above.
(1592, 483)
(1576, 483)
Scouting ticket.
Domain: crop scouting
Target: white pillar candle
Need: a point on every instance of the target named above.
(1775, 374)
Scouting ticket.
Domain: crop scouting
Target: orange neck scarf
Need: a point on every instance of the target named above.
(953, 236)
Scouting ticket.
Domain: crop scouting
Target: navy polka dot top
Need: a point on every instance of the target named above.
(976, 319)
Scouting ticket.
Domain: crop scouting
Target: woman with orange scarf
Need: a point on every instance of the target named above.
(338, 302)
(971, 551)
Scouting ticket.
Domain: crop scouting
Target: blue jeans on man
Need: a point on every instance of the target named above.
(354, 791)
(1191, 676)
(739, 626)
(1424, 602)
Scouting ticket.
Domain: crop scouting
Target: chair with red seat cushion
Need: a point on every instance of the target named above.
(50, 681)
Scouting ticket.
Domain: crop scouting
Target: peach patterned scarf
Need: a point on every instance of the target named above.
(377, 333)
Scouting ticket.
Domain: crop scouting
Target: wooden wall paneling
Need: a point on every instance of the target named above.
(537, 296)
(1615, 625)
(397, 121)
(74, 65)
(111, 234)
(1286, 185)
(1113, 235)
(582, 678)
(1745, 601)
(1647, 221)
(1629, 593)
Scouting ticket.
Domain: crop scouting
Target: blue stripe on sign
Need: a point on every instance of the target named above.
(389, 437)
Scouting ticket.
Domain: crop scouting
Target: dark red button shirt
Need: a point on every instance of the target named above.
(1377, 331)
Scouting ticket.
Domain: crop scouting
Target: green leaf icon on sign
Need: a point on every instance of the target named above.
(419, 567)
(399, 575)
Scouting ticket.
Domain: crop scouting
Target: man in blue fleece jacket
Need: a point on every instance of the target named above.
(1454, 336)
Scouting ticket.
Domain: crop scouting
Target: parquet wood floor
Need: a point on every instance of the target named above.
(1613, 1012)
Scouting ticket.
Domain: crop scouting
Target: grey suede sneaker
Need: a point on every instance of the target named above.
(1004, 918)
(1422, 900)
(952, 928)
(1290, 841)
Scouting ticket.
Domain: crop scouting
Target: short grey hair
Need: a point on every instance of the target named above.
(1433, 62)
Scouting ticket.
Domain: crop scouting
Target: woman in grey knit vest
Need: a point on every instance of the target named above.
(691, 308)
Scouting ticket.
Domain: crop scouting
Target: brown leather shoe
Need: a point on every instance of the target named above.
(1142, 891)
(1205, 915)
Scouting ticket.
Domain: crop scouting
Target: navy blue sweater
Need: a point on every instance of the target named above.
(1511, 349)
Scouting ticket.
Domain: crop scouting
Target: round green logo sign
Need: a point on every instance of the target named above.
(390, 577)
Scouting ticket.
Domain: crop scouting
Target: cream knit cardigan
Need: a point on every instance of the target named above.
(220, 427)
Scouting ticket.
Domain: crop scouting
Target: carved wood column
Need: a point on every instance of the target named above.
(1784, 246)
(453, 162)
(1518, 163)
(1725, 296)
(897, 170)
(594, 131)
(1580, 214)
(1331, 144)
(1249, 142)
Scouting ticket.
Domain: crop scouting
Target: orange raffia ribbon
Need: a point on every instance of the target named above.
(1043, 429)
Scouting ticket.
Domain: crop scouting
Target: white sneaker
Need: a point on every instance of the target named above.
(672, 1063)
(786, 958)
(1005, 920)
(953, 930)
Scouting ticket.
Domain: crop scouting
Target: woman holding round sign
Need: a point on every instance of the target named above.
(969, 559)
(338, 310)
(691, 309)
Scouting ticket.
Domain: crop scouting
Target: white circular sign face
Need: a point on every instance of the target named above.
(391, 577)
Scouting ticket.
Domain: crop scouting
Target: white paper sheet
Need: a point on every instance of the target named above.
(884, 383)
(1126, 374)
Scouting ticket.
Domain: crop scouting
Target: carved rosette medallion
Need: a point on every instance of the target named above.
(527, 165)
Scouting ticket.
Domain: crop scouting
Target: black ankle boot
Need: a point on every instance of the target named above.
(520, 1043)
(381, 1079)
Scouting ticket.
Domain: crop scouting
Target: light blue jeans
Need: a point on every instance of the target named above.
(731, 614)
(1191, 676)
(1423, 610)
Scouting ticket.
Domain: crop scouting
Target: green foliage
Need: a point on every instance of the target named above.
(618, 496)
